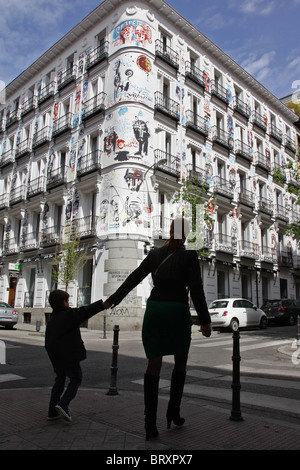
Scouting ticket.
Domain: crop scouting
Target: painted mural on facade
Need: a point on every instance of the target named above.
(132, 33)
(124, 205)
(126, 136)
(130, 80)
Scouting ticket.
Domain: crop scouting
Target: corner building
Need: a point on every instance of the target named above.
(97, 134)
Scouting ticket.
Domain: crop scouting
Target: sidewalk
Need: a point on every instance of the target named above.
(115, 423)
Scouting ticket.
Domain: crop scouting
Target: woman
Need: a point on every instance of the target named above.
(167, 321)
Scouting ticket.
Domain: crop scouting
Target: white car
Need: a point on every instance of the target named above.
(235, 314)
(8, 315)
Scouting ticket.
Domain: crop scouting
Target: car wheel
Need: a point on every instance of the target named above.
(291, 320)
(263, 323)
(234, 324)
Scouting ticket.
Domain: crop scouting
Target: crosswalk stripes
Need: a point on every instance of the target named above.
(215, 384)
(10, 377)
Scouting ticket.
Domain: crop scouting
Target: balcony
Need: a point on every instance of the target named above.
(23, 148)
(88, 163)
(7, 158)
(46, 92)
(11, 118)
(268, 255)
(93, 106)
(171, 165)
(243, 150)
(279, 174)
(28, 106)
(29, 241)
(265, 205)
(4, 201)
(247, 198)
(197, 123)
(276, 133)
(196, 174)
(262, 161)
(241, 107)
(18, 194)
(289, 144)
(85, 226)
(56, 177)
(224, 243)
(167, 54)
(260, 120)
(36, 186)
(97, 55)
(248, 249)
(41, 137)
(66, 77)
(62, 124)
(167, 106)
(194, 74)
(222, 138)
(219, 91)
(222, 187)
(161, 226)
(282, 213)
(295, 217)
(285, 258)
(10, 246)
(50, 236)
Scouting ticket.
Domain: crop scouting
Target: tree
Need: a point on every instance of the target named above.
(294, 188)
(193, 206)
(69, 258)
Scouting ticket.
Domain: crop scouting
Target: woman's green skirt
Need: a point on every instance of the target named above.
(166, 329)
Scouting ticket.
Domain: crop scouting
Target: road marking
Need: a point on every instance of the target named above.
(247, 398)
(244, 369)
(244, 380)
(9, 377)
(216, 342)
(262, 345)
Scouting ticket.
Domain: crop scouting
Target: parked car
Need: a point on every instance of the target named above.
(282, 310)
(236, 313)
(8, 315)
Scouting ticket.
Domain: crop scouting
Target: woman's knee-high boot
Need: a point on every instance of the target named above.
(151, 400)
(177, 384)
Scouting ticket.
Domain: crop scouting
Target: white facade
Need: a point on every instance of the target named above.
(98, 133)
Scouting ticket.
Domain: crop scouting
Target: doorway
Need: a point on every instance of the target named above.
(12, 290)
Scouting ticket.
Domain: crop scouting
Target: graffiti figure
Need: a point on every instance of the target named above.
(110, 142)
(134, 179)
(133, 208)
(121, 84)
(142, 135)
(143, 34)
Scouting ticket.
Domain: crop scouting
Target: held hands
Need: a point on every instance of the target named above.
(206, 330)
(108, 304)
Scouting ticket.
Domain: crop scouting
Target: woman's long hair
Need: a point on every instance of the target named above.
(179, 231)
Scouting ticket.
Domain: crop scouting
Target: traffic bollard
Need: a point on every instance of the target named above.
(113, 390)
(236, 414)
(104, 327)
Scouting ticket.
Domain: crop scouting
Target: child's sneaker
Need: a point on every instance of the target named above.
(64, 411)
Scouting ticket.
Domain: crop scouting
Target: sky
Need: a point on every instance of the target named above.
(263, 36)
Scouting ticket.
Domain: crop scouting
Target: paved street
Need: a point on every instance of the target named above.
(269, 379)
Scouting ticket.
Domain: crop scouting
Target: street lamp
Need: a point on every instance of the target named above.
(162, 161)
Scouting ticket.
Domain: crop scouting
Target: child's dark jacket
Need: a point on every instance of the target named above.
(63, 340)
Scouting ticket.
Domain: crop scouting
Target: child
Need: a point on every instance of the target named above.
(66, 349)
